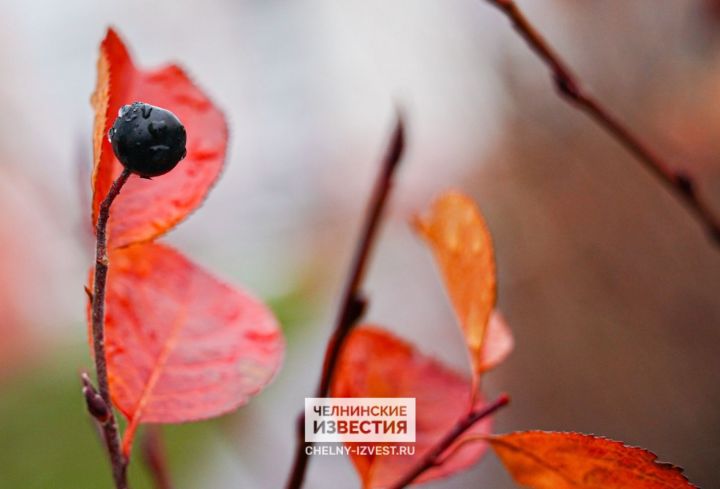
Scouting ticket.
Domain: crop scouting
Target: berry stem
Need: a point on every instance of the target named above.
(433, 456)
(353, 303)
(109, 423)
(570, 89)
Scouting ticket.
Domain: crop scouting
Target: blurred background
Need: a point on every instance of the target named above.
(610, 286)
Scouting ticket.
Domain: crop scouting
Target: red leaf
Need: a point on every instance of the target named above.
(456, 232)
(547, 460)
(374, 363)
(180, 344)
(146, 209)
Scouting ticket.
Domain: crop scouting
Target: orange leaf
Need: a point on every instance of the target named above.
(146, 209)
(180, 344)
(374, 363)
(547, 460)
(461, 243)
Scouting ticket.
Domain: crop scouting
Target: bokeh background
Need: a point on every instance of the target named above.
(610, 286)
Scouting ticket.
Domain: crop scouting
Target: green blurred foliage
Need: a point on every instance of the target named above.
(48, 441)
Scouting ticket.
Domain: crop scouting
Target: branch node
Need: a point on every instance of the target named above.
(96, 406)
(89, 294)
(567, 87)
(397, 143)
(685, 183)
(356, 308)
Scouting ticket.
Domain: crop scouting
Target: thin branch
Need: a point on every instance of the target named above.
(153, 451)
(570, 88)
(353, 303)
(433, 457)
(107, 421)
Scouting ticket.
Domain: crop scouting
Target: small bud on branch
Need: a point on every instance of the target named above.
(95, 404)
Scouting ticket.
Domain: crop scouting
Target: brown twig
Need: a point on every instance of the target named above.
(153, 452)
(353, 303)
(432, 457)
(569, 87)
(99, 402)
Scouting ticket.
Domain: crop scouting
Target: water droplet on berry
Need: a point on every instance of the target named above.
(157, 128)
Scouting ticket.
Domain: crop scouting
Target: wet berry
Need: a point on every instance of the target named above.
(148, 140)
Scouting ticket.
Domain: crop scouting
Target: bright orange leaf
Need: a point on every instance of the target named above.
(180, 344)
(374, 363)
(146, 209)
(460, 240)
(547, 460)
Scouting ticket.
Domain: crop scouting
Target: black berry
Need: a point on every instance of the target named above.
(148, 140)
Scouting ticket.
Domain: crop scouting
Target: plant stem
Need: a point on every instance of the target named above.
(352, 304)
(109, 425)
(569, 87)
(153, 452)
(432, 457)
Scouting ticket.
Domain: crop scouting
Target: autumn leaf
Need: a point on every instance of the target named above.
(146, 209)
(548, 460)
(374, 363)
(180, 344)
(460, 240)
